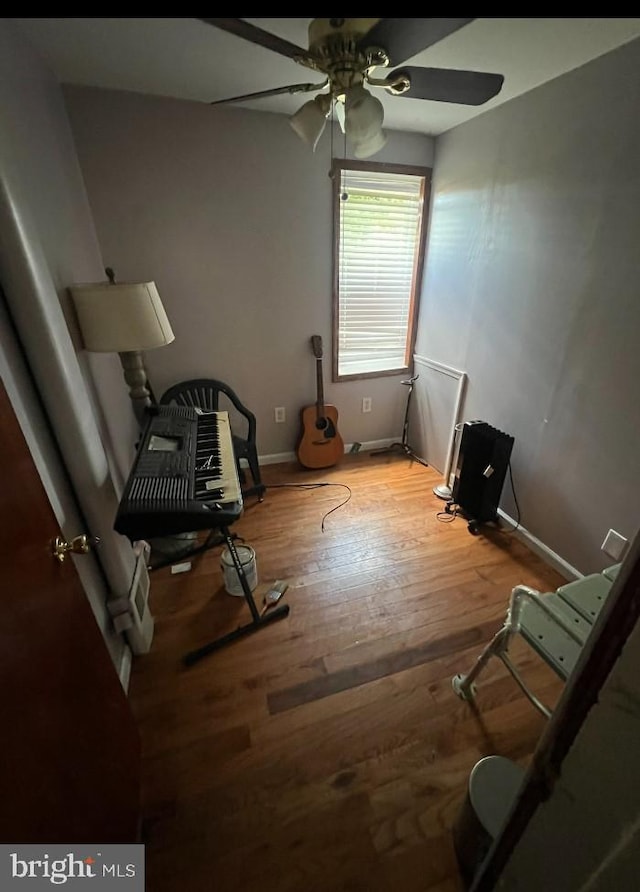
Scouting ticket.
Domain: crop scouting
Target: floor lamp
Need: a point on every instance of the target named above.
(124, 318)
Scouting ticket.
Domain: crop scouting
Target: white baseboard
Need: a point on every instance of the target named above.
(543, 551)
(278, 458)
(370, 445)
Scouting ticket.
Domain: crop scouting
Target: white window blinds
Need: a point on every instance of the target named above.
(378, 245)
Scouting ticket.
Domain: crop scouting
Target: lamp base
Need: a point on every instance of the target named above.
(442, 491)
(135, 375)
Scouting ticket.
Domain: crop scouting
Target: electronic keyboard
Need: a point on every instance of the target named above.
(184, 477)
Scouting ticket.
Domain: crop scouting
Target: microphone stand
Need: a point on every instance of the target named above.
(404, 443)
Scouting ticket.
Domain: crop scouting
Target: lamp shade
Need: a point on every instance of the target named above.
(121, 317)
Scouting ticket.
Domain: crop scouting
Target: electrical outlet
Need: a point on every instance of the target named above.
(280, 414)
(614, 545)
(366, 404)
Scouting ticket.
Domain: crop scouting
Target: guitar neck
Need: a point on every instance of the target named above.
(320, 389)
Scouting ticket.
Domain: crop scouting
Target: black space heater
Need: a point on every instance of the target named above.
(481, 468)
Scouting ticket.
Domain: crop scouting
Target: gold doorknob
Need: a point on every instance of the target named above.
(60, 548)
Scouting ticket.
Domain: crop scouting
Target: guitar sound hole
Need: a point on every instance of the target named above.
(327, 426)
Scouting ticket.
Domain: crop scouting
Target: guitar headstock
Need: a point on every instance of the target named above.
(316, 346)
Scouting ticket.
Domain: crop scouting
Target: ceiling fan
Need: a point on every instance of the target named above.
(347, 52)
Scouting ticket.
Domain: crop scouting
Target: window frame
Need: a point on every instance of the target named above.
(338, 165)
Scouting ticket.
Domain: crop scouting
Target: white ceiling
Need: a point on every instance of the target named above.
(187, 59)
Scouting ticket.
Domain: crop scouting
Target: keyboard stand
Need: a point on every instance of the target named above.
(214, 539)
(257, 621)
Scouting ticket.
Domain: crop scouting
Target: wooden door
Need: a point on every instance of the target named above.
(69, 746)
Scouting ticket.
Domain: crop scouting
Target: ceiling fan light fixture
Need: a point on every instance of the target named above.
(364, 114)
(311, 118)
(368, 147)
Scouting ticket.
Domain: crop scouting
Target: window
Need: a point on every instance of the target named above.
(378, 251)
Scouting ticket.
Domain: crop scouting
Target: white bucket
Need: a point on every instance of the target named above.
(247, 558)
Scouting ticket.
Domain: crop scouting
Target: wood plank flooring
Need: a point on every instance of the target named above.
(328, 751)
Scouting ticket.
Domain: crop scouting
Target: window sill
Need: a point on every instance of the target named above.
(377, 374)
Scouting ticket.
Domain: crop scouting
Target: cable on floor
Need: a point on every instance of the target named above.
(449, 514)
(314, 486)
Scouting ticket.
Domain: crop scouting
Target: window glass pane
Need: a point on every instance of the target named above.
(379, 232)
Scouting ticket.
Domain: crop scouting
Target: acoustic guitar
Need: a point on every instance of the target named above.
(320, 445)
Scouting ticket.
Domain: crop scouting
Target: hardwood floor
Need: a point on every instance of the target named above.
(328, 750)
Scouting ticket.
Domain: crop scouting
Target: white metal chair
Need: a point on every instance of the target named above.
(555, 624)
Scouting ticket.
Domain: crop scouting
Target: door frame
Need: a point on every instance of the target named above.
(50, 396)
(35, 426)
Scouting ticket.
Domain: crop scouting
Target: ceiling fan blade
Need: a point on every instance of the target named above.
(449, 85)
(292, 88)
(403, 38)
(257, 35)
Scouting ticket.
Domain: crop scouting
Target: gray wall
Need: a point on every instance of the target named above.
(230, 213)
(531, 287)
